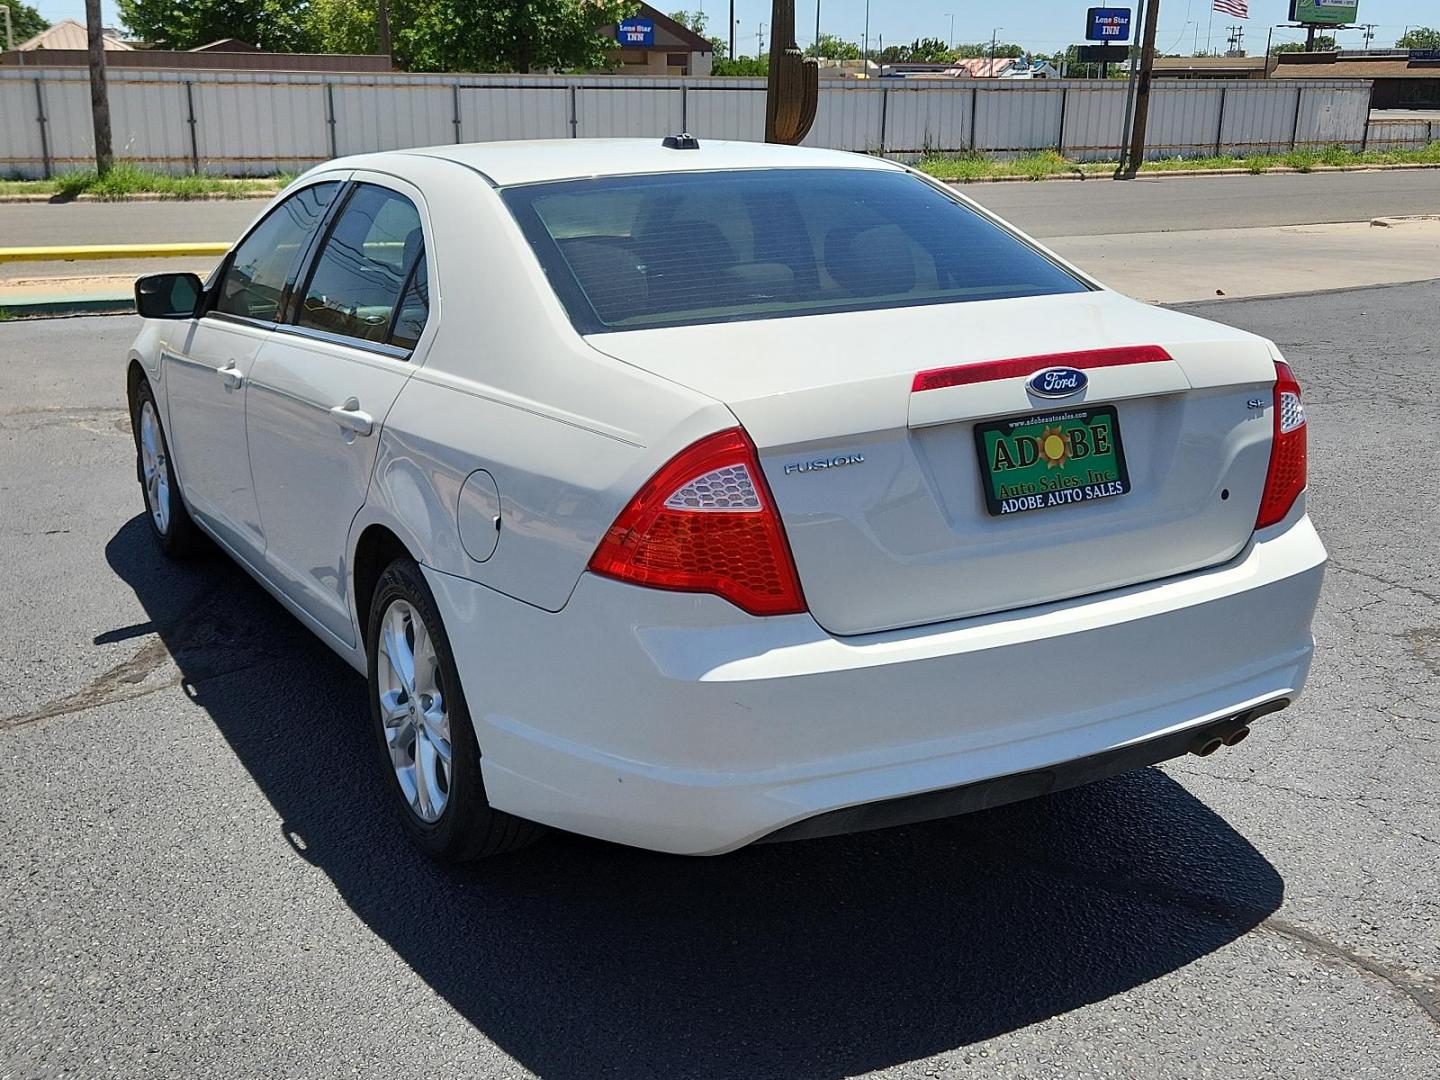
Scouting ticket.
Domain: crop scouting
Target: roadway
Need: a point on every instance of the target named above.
(200, 875)
(1051, 209)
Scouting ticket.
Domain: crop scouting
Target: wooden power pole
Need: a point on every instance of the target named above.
(99, 95)
(1131, 163)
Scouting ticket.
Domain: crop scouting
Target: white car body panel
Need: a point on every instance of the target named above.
(684, 725)
(676, 721)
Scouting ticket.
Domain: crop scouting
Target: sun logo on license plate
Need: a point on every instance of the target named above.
(1054, 446)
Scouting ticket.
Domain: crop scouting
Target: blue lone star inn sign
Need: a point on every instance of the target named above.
(1108, 24)
(636, 32)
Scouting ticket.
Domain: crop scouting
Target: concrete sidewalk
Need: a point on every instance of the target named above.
(1175, 267)
(1161, 267)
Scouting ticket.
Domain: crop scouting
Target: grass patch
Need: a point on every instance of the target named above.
(125, 180)
(1038, 166)
(974, 166)
(6, 315)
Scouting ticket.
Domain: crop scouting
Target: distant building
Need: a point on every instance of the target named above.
(1210, 67)
(1400, 82)
(652, 43)
(69, 34)
(65, 45)
(1036, 69)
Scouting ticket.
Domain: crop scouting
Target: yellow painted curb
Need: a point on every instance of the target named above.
(93, 252)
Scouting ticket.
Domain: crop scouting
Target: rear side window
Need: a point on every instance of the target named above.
(268, 259)
(363, 269)
(626, 253)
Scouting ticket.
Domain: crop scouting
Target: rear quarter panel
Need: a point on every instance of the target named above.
(507, 386)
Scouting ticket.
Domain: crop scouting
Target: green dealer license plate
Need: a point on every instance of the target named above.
(1032, 462)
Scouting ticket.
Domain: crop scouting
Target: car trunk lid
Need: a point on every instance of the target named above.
(878, 477)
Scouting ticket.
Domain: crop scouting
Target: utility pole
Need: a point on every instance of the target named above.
(760, 43)
(99, 95)
(865, 52)
(817, 25)
(1369, 28)
(1130, 165)
(1236, 39)
(994, 34)
(951, 41)
(384, 26)
(732, 26)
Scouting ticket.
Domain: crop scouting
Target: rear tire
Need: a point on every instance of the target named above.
(428, 749)
(170, 522)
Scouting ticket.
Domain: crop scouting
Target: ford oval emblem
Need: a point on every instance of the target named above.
(1058, 382)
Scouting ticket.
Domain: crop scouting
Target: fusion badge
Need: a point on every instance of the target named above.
(837, 462)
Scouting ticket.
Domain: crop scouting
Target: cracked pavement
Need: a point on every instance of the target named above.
(199, 877)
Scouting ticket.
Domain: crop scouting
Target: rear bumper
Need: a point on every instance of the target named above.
(678, 723)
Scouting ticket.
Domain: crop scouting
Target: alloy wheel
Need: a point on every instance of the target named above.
(412, 707)
(154, 468)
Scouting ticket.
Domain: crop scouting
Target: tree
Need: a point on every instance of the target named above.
(747, 66)
(1422, 37)
(981, 50)
(1323, 43)
(929, 51)
(343, 26)
(25, 21)
(695, 20)
(834, 48)
(919, 51)
(505, 35)
(273, 25)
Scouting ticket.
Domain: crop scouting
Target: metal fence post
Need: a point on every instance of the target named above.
(684, 108)
(974, 100)
(884, 114)
(330, 118)
(1220, 123)
(574, 114)
(1060, 139)
(190, 119)
(1295, 128)
(455, 102)
(44, 131)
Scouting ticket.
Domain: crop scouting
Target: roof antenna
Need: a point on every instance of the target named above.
(683, 141)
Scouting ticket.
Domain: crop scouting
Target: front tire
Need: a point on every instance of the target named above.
(170, 522)
(428, 749)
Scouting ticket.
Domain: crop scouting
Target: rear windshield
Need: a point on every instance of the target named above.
(632, 252)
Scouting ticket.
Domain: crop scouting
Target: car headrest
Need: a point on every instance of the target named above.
(874, 261)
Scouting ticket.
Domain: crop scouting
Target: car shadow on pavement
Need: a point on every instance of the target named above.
(817, 959)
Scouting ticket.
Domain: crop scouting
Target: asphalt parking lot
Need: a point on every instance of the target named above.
(199, 876)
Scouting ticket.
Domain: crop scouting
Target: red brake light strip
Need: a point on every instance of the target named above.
(993, 370)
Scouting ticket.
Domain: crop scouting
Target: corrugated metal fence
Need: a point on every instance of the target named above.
(262, 122)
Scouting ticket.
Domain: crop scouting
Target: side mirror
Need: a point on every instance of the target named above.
(168, 296)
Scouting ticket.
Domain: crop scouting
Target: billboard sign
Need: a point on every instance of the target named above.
(636, 32)
(1325, 12)
(1107, 24)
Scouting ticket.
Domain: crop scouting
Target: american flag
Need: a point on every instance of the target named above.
(1239, 8)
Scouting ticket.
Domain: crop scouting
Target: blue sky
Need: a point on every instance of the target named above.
(1040, 25)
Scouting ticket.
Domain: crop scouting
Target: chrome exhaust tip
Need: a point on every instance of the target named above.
(1205, 744)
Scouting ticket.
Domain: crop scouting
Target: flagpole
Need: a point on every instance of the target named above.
(1210, 28)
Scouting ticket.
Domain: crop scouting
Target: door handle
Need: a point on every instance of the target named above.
(350, 417)
(230, 376)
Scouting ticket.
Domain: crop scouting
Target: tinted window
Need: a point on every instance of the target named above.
(414, 309)
(362, 268)
(642, 251)
(268, 259)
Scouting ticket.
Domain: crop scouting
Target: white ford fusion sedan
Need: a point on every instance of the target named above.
(692, 495)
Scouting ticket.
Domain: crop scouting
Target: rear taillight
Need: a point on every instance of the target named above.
(706, 522)
(1288, 452)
